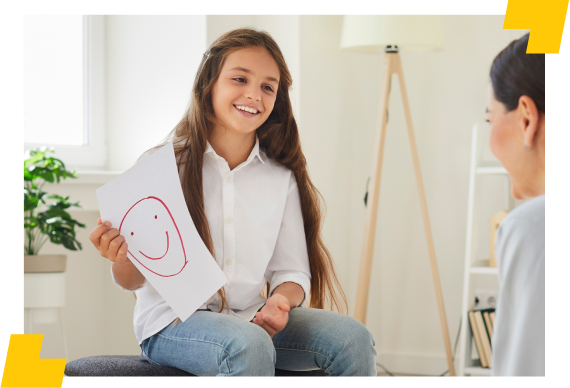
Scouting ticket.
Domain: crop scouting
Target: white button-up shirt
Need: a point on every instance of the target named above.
(255, 219)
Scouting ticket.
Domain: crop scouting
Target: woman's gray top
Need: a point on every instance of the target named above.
(518, 333)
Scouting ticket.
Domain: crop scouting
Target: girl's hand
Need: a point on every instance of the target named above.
(274, 316)
(109, 242)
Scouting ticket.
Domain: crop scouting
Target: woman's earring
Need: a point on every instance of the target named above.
(527, 148)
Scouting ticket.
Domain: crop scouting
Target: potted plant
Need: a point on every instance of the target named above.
(46, 220)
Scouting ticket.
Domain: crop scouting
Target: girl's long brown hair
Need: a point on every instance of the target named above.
(278, 138)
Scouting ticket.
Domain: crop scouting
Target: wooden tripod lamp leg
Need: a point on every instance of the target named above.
(393, 65)
(361, 306)
(423, 203)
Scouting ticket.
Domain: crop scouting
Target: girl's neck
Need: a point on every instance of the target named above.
(233, 147)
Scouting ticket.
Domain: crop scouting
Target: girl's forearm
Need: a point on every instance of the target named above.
(127, 275)
(292, 291)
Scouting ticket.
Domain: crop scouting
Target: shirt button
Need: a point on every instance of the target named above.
(229, 220)
(228, 261)
(229, 179)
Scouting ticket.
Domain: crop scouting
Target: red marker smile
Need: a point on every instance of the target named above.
(158, 258)
(174, 260)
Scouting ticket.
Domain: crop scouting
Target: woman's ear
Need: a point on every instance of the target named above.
(529, 114)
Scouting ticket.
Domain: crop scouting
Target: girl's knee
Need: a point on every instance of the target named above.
(250, 353)
(254, 344)
(356, 335)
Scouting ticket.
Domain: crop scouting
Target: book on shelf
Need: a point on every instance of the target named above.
(476, 336)
(481, 322)
(482, 329)
(489, 324)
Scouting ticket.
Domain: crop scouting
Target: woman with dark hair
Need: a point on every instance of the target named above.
(517, 115)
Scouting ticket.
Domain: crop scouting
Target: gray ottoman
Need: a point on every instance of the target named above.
(138, 366)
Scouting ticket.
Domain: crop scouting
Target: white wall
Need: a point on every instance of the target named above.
(151, 63)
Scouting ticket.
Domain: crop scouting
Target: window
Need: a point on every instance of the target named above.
(64, 87)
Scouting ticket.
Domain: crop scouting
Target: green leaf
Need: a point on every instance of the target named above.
(58, 197)
(32, 224)
(80, 225)
(32, 198)
(27, 175)
(62, 235)
(47, 176)
(54, 212)
(47, 168)
(72, 174)
(60, 162)
(30, 202)
(68, 243)
(62, 202)
(35, 157)
(54, 222)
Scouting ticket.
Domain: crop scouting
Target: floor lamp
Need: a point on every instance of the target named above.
(392, 34)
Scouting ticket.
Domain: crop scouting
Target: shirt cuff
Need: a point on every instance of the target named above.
(300, 278)
(121, 287)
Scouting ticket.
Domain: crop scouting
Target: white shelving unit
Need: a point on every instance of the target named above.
(476, 268)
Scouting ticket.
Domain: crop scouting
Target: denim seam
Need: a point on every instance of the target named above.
(305, 350)
(150, 359)
(197, 340)
(309, 351)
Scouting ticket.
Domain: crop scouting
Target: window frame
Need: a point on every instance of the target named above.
(93, 155)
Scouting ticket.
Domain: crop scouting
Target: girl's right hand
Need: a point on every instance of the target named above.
(109, 242)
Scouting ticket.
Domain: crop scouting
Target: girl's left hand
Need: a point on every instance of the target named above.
(274, 316)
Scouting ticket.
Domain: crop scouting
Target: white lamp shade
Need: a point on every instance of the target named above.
(410, 32)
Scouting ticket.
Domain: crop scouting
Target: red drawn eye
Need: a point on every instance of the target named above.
(155, 217)
(132, 233)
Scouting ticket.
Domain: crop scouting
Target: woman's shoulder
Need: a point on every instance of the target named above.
(521, 237)
(531, 212)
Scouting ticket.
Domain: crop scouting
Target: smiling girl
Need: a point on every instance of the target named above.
(246, 185)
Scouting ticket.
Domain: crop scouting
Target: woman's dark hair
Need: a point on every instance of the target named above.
(514, 73)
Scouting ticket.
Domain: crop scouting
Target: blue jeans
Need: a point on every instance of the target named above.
(214, 344)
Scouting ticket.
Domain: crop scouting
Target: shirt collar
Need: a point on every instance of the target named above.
(254, 152)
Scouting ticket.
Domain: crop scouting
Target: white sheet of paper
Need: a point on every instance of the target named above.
(147, 205)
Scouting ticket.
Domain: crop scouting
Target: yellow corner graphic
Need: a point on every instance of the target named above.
(545, 19)
(24, 368)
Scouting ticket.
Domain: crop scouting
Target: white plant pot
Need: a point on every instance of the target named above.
(43, 316)
(44, 263)
(45, 293)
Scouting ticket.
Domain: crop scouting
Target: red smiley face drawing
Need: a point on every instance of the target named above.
(153, 237)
